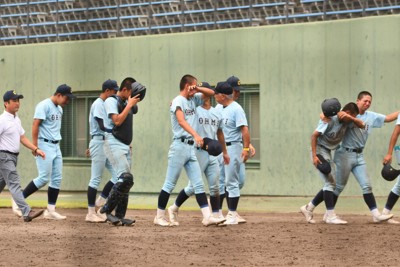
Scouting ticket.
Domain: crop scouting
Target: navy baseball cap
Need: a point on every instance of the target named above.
(223, 88)
(11, 95)
(65, 90)
(205, 84)
(389, 173)
(324, 166)
(213, 147)
(110, 84)
(235, 83)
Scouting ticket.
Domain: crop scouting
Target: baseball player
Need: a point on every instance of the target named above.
(236, 85)
(208, 125)
(120, 109)
(237, 138)
(326, 138)
(11, 135)
(395, 192)
(46, 135)
(97, 117)
(182, 150)
(349, 156)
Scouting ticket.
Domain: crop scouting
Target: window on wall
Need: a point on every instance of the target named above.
(249, 99)
(75, 126)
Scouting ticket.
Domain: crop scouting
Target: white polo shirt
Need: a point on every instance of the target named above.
(10, 132)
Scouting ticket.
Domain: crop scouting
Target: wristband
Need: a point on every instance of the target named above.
(35, 150)
(246, 149)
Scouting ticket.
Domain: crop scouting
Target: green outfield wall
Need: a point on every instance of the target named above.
(295, 65)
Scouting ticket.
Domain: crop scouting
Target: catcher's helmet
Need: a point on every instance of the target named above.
(138, 89)
(330, 107)
(389, 173)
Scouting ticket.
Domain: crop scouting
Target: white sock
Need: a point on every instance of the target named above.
(100, 201)
(51, 207)
(330, 213)
(375, 212)
(160, 213)
(310, 206)
(174, 207)
(385, 211)
(206, 212)
(91, 210)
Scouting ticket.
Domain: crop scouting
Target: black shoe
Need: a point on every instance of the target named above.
(112, 219)
(127, 222)
(32, 215)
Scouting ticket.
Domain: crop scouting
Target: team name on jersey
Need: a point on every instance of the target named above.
(207, 121)
(190, 112)
(55, 117)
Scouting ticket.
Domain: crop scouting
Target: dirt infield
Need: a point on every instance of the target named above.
(267, 239)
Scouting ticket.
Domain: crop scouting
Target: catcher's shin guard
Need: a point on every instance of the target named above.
(122, 206)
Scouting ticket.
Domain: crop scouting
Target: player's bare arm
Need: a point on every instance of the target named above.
(185, 125)
(35, 131)
(28, 144)
(118, 119)
(205, 91)
(221, 140)
(346, 117)
(391, 117)
(246, 142)
(392, 143)
(314, 138)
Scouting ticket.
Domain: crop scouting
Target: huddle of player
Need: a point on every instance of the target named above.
(345, 132)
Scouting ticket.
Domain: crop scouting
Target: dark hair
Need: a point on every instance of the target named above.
(362, 94)
(127, 82)
(185, 80)
(352, 108)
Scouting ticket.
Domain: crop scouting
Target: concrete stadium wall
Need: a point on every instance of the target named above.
(296, 66)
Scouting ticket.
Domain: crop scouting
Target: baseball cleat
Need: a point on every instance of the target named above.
(307, 214)
(392, 221)
(231, 218)
(94, 218)
(16, 210)
(127, 222)
(102, 216)
(32, 215)
(173, 217)
(211, 220)
(161, 221)
(240, 219)
(112, 219)
(381, 218)
(334, 220)
(52, 215)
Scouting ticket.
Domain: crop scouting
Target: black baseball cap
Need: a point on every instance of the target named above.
(235, 83)
(389, 173)
(213, 147)
(65, 90)
(205, 84)
(11, 94)
(324, 166)
(110, 84)
(223, 88)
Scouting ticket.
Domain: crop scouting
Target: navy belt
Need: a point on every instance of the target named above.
(356, 150)
(102, 136)
(231, 143)
(185, 140)
(9, 152)
(50, 141)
